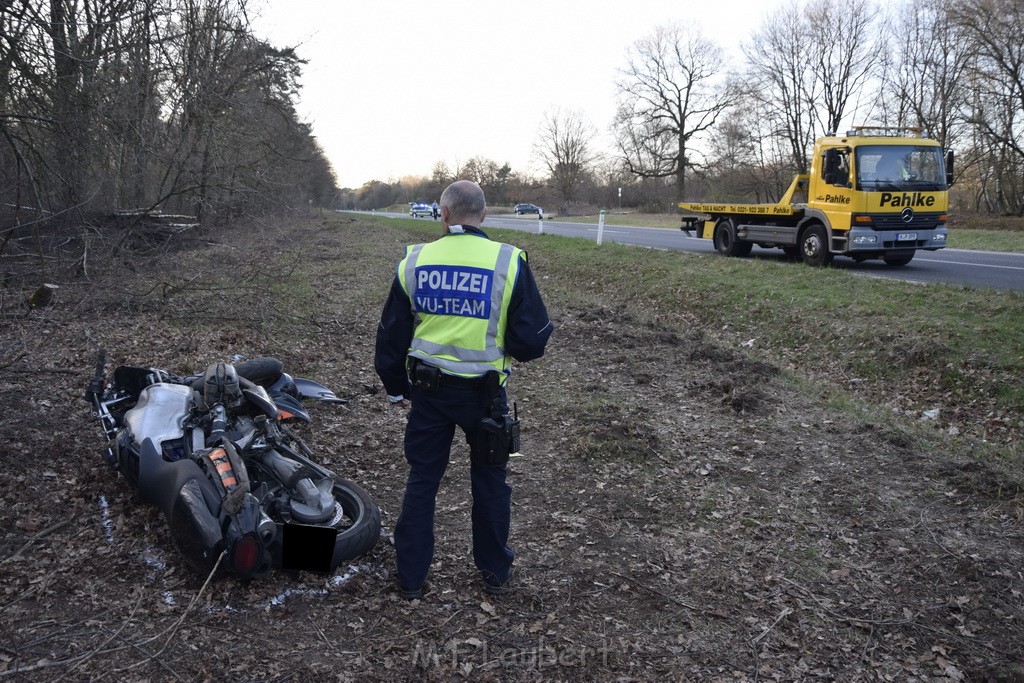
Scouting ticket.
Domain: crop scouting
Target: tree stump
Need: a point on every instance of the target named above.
(42, 297)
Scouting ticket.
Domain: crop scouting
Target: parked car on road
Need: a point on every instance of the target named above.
(417, 209)
(520, 209)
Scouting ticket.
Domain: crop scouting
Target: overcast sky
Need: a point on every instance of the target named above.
(394, 86)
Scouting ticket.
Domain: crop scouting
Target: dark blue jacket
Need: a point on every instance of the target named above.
(526, 330)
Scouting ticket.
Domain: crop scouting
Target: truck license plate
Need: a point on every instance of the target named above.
(906, 236)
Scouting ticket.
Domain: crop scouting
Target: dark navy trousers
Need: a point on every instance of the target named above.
(428, 440)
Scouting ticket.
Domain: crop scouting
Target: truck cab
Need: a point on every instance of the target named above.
(879, 193)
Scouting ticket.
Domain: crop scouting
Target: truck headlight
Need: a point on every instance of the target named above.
(865, 239)
(940, 237)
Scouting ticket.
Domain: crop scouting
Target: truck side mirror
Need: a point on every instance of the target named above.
(949, 167)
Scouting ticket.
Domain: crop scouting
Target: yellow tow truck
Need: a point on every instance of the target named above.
(872, 193)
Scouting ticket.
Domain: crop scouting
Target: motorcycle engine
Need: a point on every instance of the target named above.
(220, 385)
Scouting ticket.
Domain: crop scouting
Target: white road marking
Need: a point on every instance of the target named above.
(976, 265)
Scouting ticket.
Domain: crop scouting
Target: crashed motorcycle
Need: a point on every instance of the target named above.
(217, 454)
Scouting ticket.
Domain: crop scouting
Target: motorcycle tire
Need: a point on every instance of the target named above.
(263, 371)
(359, 538)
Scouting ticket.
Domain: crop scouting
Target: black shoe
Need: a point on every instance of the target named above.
(414, 593)
(503, 587)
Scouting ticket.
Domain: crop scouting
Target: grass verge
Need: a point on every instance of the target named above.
(947, 355)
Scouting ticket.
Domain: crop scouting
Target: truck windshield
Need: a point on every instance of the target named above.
(900, 167)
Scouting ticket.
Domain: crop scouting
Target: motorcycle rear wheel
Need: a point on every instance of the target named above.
(364, 516)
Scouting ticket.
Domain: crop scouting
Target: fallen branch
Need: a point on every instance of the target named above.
(782, 615)
(170, 632)
(42, 534)
(656, 591)
(112, 636)
(872, 623)
(46, 371)
(177, 624)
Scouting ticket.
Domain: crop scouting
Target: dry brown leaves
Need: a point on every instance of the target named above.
(681, 514)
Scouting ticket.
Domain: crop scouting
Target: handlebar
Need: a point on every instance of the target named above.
(94, 390)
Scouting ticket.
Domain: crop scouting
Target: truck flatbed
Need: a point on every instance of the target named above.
(786, 208)
(744, 209)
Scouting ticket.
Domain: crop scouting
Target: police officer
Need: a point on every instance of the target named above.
(459, 310)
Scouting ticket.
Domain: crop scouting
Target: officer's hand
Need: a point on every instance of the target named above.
(398, 401)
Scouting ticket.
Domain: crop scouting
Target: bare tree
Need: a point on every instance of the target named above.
(441, 174)
(670, 92)
(996, 73)
(845, 53)
(565, 147)
(490, 175)
(780, 80)
(744, 162)
(806, 65)
(926, 68)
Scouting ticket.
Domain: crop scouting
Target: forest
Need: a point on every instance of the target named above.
(138, 106)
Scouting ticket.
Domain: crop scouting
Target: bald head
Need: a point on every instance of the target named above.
(462, 203)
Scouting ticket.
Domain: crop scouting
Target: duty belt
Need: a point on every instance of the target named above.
(458, 382)
(446, 380)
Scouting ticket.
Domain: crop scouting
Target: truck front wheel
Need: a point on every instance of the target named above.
(814, 246)
(726, 242)
(901, 260)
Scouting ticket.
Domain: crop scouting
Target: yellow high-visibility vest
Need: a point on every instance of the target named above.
(459, 288)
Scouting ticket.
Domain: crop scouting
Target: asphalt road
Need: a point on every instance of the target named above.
(983, 269)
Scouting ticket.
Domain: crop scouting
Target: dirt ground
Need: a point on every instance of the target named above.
(682, 512)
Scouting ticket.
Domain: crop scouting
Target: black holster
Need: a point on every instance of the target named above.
(497, 437)
(425, 377)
